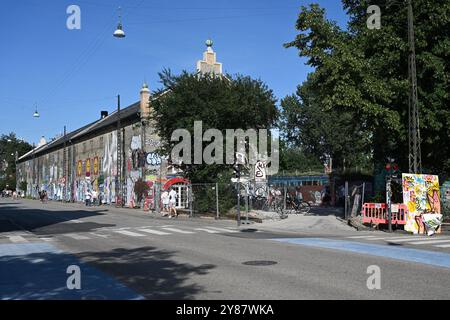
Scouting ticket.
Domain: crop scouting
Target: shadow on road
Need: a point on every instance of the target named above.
(44, 221)
(118, 274)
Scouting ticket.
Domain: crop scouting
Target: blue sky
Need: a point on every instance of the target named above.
(73, 74)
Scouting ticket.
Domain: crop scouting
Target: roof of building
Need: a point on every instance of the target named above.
(79, 134)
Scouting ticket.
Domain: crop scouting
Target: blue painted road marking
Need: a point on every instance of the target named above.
(439, 259)
(37, 271)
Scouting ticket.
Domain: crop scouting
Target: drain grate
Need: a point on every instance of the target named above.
(260, 263)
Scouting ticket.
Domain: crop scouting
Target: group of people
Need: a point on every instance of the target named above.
(169, 202)
(91, 198)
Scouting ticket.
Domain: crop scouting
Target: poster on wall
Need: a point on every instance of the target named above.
(88, 167)
(96, 166)
(422, 196)
(79, 168)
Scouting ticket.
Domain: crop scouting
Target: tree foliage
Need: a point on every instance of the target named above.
(363, 74)
(9, 145)
(220, 102)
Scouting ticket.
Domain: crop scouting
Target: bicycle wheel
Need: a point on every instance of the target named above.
(304, 207)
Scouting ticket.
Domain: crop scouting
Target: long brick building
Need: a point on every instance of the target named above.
(107, 155)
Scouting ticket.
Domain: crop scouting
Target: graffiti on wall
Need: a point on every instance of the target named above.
(421, 194)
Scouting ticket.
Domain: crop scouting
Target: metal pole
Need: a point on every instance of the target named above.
(238, 197)
(415, 161)
(119, 155)
(388, 202)
(363, 191)
(246, 205)
(346, 199)
(191, 211)
(217, 201)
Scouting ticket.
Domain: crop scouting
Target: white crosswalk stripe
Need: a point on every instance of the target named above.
(178, 230)
(430, 241)
(130, 233)
(77, 236)
(405, 239)
(151, 231)
(207, 230)
(74, 221)
(360, 237)
(17, 239)
(222, 229)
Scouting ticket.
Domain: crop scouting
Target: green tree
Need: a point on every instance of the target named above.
(9, 145)
(220, 102)
(364, 72)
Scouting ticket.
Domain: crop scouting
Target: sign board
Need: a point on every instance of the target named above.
(260, 171)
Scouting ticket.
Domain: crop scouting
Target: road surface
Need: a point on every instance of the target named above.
(130, 254)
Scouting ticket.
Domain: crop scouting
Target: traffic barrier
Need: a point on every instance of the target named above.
(376, 213)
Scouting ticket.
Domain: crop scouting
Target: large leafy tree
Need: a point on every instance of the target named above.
(220, 102)
(364, 72)
(9, 145)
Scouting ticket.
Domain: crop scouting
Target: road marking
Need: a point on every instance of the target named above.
(159, 233)
(222, 229)
(100, 235)
(77, 236)
(443, 245)
(207, 230)
(74, 221)
(46, 239)
(178, 230)
(407, 239)
(397, 253)
(381, 238)
(17, 239)
(130, 233)
(429, 241)
(360, 237)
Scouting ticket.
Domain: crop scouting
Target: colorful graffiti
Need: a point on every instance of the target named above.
(421, 195)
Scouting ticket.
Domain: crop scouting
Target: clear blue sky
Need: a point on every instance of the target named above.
(73, 74)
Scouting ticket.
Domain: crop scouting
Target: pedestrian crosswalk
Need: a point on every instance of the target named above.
(435, 241)
(107, 233)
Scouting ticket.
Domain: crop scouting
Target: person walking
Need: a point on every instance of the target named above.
(165, 202)
(88, 197)
(94, 197)
(173, 202)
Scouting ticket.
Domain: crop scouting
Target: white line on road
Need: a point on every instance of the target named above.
(178, 230)
(130, 233)
(74, 221)
(405, 239)
(100, 235)
(443, 245)
(47, 239)
(430, 241)
(17, 239)
(360, 237)
(151, 231)
(222, 229)
(77, 236)
(207, 230)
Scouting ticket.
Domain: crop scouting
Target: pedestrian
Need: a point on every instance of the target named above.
(88, 197)
(94, 197)
(165, 202)
(173, 202)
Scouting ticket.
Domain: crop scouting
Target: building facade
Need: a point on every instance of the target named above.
(108, 155)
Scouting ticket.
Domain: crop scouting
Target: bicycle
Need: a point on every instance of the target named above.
(298, 207)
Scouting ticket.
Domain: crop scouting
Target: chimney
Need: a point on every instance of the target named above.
(145, 102)
(42, 141)
(103, 114)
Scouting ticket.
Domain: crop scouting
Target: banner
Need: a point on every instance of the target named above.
(421, 195)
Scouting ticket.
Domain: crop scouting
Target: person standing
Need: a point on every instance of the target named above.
(173, 202)
(94, 197)
(165, 202)
(87, 198)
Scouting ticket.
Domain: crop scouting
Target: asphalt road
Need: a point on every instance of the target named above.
(129, 254)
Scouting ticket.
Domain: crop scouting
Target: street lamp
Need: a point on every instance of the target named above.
(36, 113)
(119, 33)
